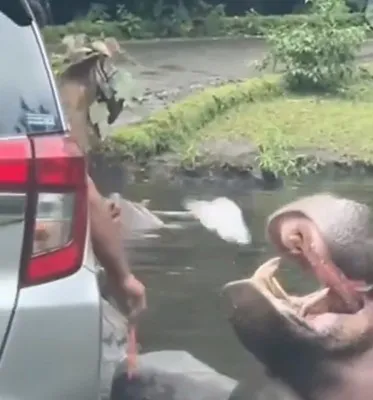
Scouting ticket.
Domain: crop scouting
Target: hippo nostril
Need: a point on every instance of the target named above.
(234, 295)
(229, 294)
(227, 304)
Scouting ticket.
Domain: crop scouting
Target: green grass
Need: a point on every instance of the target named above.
(339, 125)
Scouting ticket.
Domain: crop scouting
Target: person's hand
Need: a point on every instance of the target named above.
(134, 292)
(130, 296)
(129, 292)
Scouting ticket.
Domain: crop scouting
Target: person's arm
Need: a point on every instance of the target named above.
(107, 244)
(106, 236)
(107, 241)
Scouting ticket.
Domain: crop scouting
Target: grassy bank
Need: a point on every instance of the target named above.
(340, 125)
(176, 129)
(211, 25)
(311, 126)
(258, 113)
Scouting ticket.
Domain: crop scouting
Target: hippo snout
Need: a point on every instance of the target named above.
(234, 295)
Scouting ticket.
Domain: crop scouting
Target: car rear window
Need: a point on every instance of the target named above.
(27, 102)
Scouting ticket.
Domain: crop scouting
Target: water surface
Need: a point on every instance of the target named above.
(185, 269)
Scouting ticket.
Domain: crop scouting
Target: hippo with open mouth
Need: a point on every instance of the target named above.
(318, 346)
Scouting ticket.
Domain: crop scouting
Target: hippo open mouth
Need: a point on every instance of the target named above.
(329, 237)
(298, 236)
(321, 310)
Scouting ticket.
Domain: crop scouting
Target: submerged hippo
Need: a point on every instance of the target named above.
(318, 346)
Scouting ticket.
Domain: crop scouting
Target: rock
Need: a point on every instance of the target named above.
(196, 86)
(172, 375)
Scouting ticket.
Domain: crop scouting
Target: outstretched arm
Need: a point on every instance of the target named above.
(106, 236)
(107, 243)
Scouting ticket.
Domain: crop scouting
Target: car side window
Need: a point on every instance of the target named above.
(27, 102)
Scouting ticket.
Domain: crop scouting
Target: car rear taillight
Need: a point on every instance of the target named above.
(58, 209)
(52, 171)
(15, 158)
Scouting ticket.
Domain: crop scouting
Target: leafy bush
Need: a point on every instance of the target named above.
(318, 57)
(131, 25)
(97, 13)
(259, 25)
(212, 22)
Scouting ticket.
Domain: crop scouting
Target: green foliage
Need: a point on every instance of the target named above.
(259, 25)
(356, 5)
(177, 22)
(175, 128)
(169, 20)
(130, 25)
(274, 154)
(57, 62)
(97, 13)
(318, 57)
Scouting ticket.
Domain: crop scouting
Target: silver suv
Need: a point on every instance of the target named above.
(58, 338)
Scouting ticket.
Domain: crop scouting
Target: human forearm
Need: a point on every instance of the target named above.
(106, 235)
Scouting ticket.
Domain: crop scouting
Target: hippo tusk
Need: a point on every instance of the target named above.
(314, 300)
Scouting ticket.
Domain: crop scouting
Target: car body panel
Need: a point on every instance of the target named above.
(12, 225)
(65, 340)
(53, 347)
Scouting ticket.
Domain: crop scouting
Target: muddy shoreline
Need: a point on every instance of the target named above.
(240, 168)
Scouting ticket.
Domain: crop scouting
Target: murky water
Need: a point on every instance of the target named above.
(185, 269)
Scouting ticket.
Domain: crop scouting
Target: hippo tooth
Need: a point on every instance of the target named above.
(364, 289)
(312, 301)
(267, 270)
(278, 290)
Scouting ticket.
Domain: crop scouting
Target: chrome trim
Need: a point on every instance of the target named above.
(14, 194)
(16, 136)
